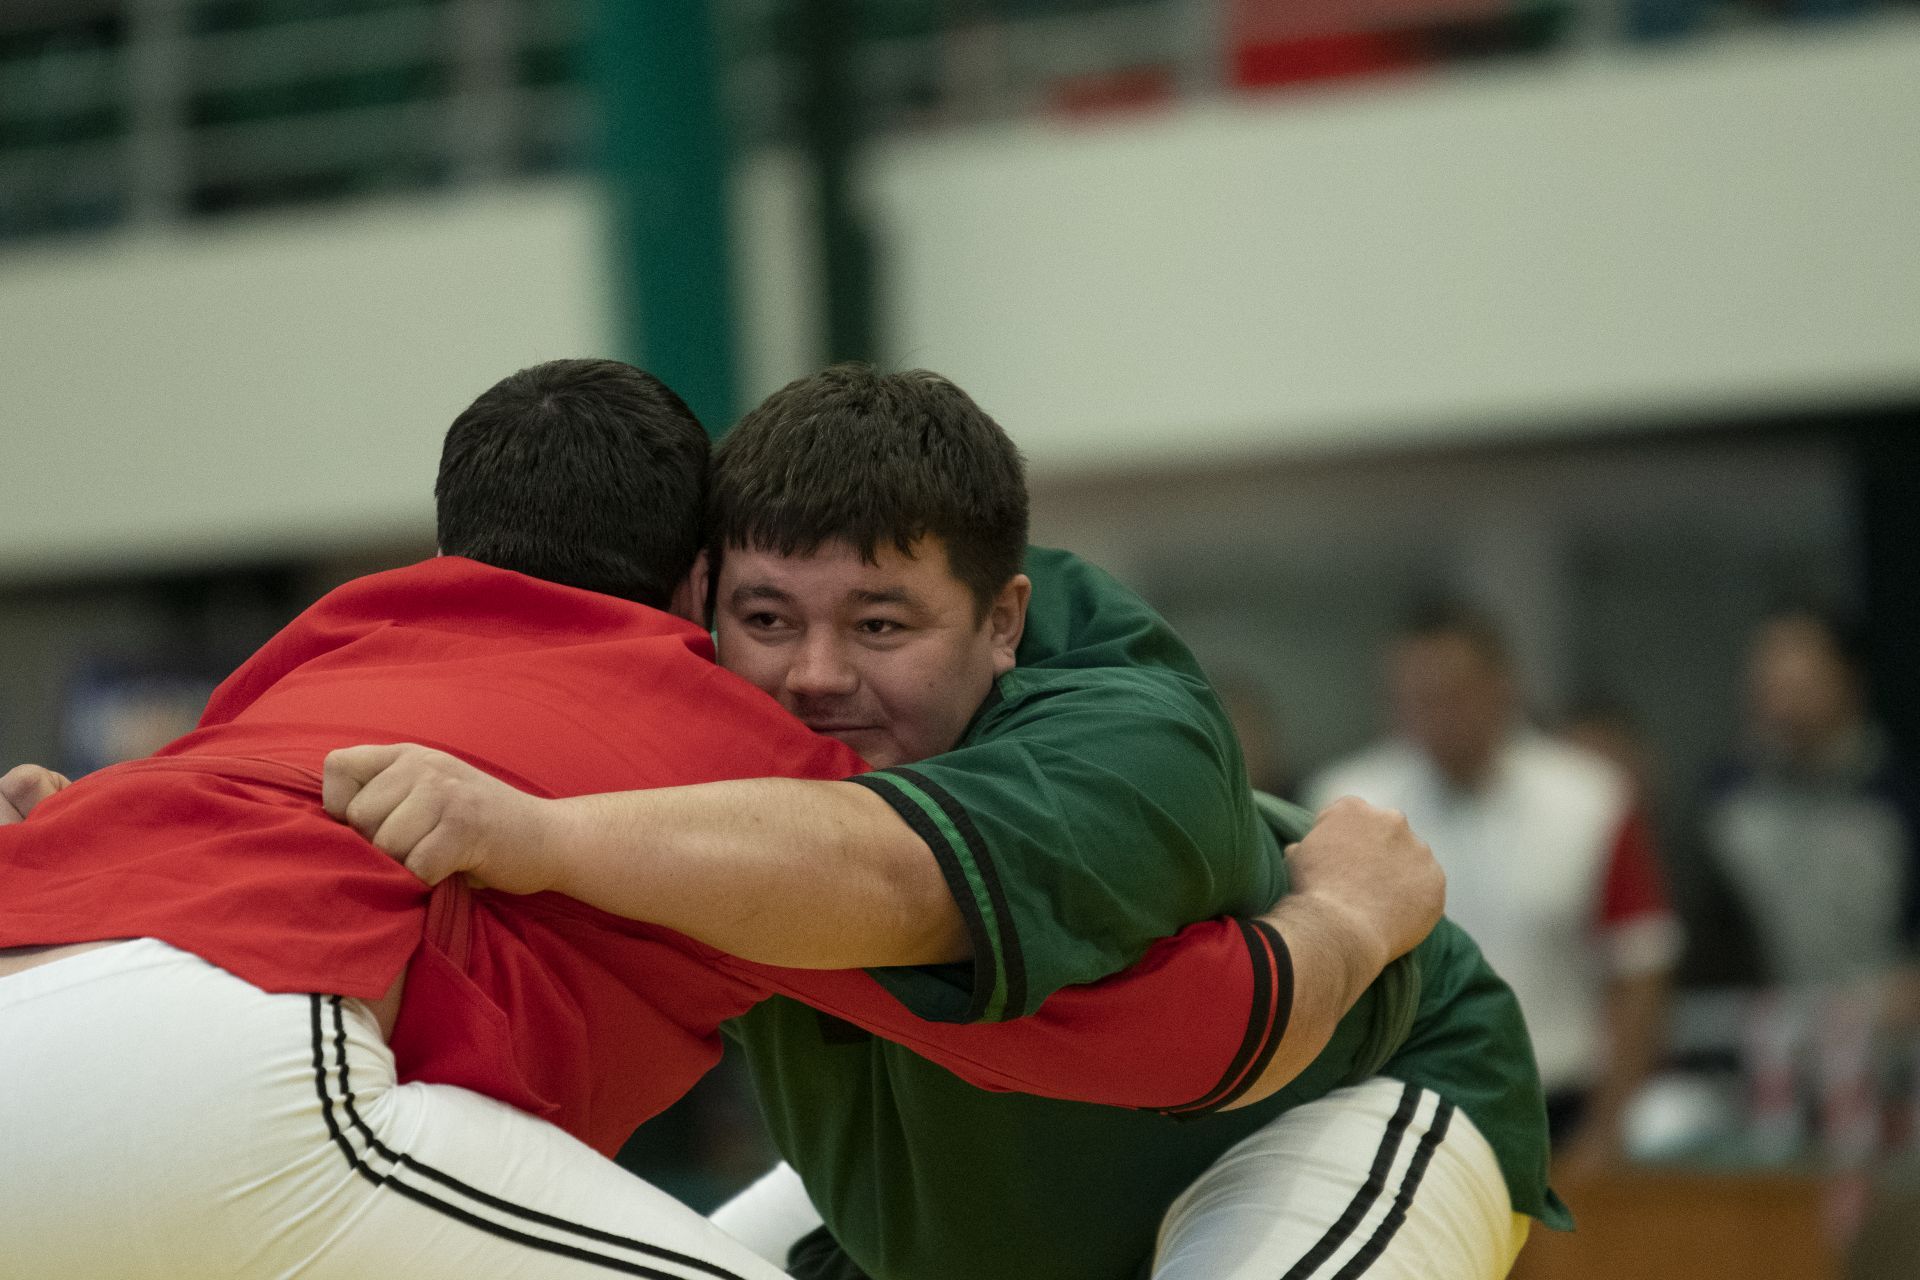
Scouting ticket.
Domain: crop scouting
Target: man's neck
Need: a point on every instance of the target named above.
(1833, 750)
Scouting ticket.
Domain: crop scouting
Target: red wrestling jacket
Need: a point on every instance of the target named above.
(218, 845)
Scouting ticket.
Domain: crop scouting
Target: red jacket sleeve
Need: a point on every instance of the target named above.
(1186, 1030)
(1633, 887)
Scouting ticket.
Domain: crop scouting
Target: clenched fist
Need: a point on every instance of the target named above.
(1366, 861)
(439, 816)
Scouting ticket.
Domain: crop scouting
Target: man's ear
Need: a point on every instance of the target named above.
(1007, 621)
(690, 596)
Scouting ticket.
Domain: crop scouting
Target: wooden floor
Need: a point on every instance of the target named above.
(1688, 1226)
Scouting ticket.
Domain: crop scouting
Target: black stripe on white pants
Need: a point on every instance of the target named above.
(165, 1120)
(455, 1198)
(1382, 1180)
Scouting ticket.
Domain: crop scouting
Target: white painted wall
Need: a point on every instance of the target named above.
(276, 384)
(1535, 248)
(1529, 250)
(779, 274)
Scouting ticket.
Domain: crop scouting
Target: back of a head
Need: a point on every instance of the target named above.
(590, 473)
(872, 459)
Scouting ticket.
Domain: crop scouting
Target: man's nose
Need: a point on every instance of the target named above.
(821, 670)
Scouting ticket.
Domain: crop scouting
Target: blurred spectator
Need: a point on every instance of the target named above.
(1817, 827)
(1606, 728)
(1549, 866)
(1720, 950)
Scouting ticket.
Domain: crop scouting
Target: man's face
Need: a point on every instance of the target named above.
(1452, 701)
(890, 657)
(1799, 689)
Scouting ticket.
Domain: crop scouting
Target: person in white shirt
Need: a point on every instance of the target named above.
(1549, 866)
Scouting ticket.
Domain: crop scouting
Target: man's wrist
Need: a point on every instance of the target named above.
(1349, 930)
(557, 833)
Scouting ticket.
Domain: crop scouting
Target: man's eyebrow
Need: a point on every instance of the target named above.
(887, 595)
(748, 592)
(766, 593)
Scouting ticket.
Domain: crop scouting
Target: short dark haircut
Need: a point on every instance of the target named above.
(590, 473)
(1447, 618)
(852, 455)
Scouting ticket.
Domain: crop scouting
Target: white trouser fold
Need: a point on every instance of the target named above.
(161, 1118)
(1381, 1180)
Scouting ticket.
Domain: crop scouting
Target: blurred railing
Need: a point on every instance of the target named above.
(145, 112)
(149, 111)
(935, 62)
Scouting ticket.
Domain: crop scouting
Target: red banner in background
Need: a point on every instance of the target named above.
(1282, 42)
(1109, 92)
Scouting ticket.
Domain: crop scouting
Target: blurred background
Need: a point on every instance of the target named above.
(1596, 320)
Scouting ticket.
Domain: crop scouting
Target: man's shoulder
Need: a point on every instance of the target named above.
(583, 691)
(456, 591)
(1567, 775)
(1082, 617)
(1056, 566)
(1092, 645)
(1056, 573)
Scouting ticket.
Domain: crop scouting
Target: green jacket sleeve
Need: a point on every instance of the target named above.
(1087, 813)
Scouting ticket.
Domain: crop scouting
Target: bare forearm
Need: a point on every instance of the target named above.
(1335, 957)
(818, 875)
(1366, 890)
(795, 873)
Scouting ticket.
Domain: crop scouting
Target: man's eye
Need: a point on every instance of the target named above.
(762, 621)
(879, 626)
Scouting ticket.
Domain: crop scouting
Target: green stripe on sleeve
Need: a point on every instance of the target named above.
(951, 851)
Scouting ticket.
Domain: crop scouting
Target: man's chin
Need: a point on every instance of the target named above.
(876, 746)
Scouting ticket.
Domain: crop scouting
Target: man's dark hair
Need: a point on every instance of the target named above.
(867, 458)
(1442, 617)
(590, 473)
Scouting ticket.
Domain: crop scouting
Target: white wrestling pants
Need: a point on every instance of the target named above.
(161, 1118)
(1380, 1180)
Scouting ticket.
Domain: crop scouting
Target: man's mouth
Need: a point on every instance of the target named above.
(837, 726)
